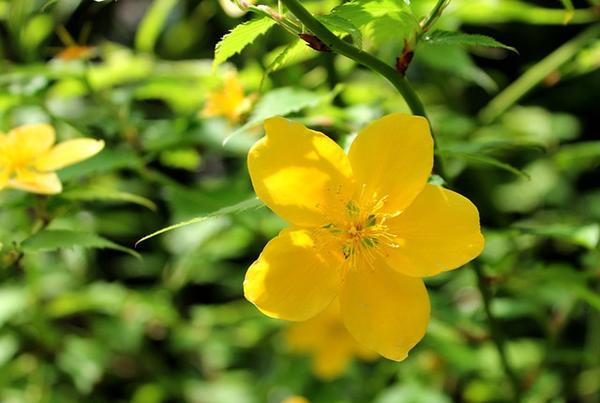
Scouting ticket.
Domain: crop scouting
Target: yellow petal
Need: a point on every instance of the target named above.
(30, 181)
(392, 159)
(384, 310)
(311, 335)
(301, 174)
(30, 141)
(294, 278)
(331, 361)
(439, 231)
(68, 153)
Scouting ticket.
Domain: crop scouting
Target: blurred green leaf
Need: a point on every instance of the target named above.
(280, 102)
(460, 38)
(13, 300)
(107, 194)
(152, 24)
(240, 37)
(50, 240)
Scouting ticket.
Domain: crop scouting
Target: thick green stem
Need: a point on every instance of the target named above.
(496, 332)
(359, 56)
(538, 72)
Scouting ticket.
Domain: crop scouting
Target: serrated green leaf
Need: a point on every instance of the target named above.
(50, 240)
(236, 208)
(380, 21)
(280, 102)
(462, 39)
(240, 37)
(294, 52)
(340, 25)
(107, 194)
(152, 24)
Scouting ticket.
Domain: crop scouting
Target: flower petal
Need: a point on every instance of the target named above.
(30, 181)
(392, 159)
(294, 278)
(30, 141)
(332, 360)
(384, 310)
(439, 231)
(67, 153)
(301, 174)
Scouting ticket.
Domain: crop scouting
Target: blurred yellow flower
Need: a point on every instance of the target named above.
(76, 52)
(365, 227)
(326, 338)
(228, 101)
(28, 157)
(295, 399)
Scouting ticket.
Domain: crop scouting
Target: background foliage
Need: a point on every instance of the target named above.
(86, 317)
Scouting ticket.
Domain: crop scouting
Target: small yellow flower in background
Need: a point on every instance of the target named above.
(229, 101)
(76, 52)
(365, 228)
(326, 338)
(28, 157)
(295, 399)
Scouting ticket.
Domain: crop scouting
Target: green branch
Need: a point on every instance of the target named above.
(496, 332)
(358, 55)
(536, 74)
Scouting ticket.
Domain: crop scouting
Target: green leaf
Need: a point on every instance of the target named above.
(152, 24)
(339, 25)
(240, 37)
(295, 52)
(376, 19)
(50, 240)
(460, 38)
(484, 159)
(587, 235)
(252, 203)
(280, 102)
(107, 194)
(456, 61)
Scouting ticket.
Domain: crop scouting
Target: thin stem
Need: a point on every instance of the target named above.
(433, 16)
(537, 73)
(496, 332)
(358, 55)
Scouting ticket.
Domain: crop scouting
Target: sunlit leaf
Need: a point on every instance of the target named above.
(240, 37)
(460, 38)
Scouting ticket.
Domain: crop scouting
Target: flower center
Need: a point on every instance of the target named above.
(362, 234)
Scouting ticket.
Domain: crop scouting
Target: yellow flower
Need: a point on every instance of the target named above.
(76, 52)
(228, 101)
(295, 399)
(326, 338)
(365, 227)
(28, 158)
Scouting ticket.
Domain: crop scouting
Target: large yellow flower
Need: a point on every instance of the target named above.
(365, 227)
(326, 338)
(28, 158)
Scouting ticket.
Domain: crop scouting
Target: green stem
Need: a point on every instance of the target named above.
(538, 72)
(496, 332)
(433, 16)
(358, 55)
